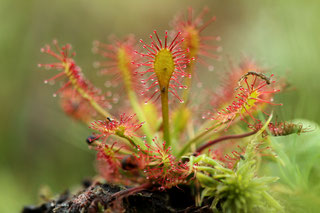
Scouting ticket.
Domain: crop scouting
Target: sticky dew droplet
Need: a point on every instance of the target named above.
(210, 68)
(107, 84)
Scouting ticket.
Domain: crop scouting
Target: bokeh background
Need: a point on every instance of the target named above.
(40, 146)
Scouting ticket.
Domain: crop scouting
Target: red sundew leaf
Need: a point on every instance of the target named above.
(191, 28)
(166, 77)
(119, 55)
(252, 93)
(160, 166)
(126, 125)
(71, 75)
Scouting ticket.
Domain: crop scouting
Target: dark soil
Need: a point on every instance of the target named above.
(98, 198)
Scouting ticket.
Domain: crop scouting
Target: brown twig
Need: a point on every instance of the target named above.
(131, 190)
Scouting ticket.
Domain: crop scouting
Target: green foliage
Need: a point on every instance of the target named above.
(238, 190)
(298, 169)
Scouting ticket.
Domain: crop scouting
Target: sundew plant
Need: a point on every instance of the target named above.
(156, 133)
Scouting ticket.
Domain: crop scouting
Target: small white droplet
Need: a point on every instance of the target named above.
(210, 68)
(54, 95)
(45, 81)
(96, 64)
(107, 84)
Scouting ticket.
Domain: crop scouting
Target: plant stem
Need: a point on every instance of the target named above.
(93, 103)
(223, 138)
(165, 116)
(133, 142)
(114, 148)
(195, 139)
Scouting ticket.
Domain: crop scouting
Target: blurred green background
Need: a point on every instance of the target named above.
(40, 146)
